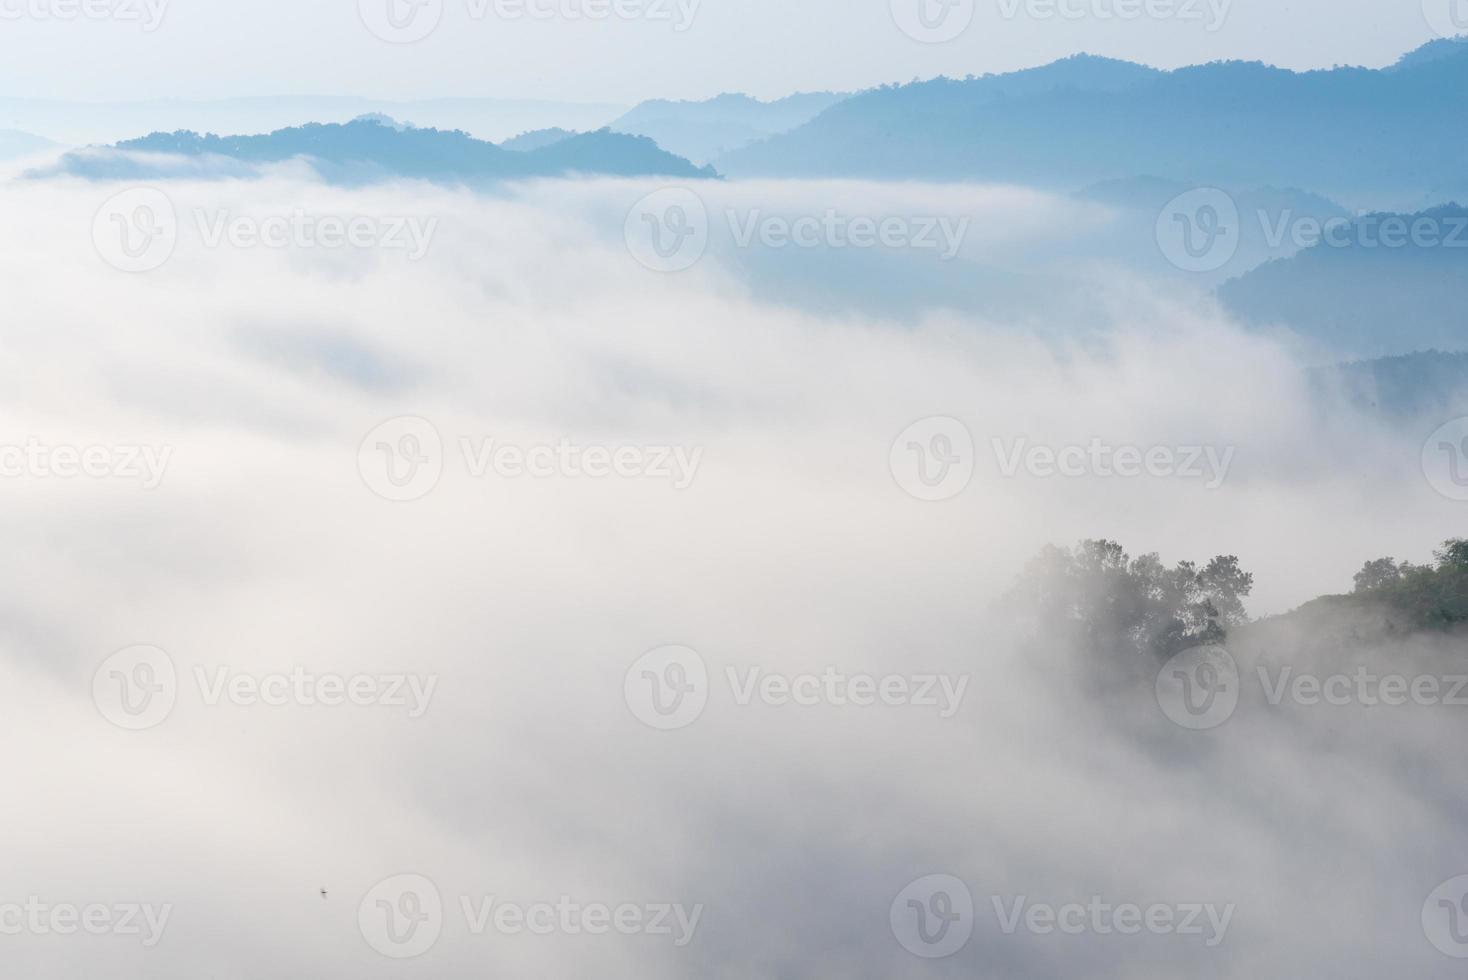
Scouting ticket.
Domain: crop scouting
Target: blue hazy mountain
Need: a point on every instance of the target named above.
(1150, 194)
(1393, 284)
(1431, 51)
(1269, 218)
(14, 143)
(368, 149)
(702, 131)
(1351, 133)
(933, 112)
(611, 153)
(535, 139)
(1422, 385)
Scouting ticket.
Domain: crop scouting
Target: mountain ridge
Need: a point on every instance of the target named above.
(1085, 119)
(368, 149)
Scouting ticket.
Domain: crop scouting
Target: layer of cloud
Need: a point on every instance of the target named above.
(795, 549)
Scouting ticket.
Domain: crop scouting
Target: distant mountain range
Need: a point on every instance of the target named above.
(702, 131)
(1074, 123)
(537, 139)
(14, 143)
(372, 148)
(83, 123)
(1387, 284)
(1088, 119)
(1268, 216)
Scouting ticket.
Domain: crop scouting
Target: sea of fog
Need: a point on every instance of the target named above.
(491, 454)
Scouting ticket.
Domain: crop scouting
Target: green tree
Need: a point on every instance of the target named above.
(1453, 554)
(1101, 598)
(1379, 572)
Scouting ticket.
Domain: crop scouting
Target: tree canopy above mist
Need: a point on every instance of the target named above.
(1098, 597)
(1426, 596)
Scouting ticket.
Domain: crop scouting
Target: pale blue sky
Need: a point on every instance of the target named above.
(213, 48)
